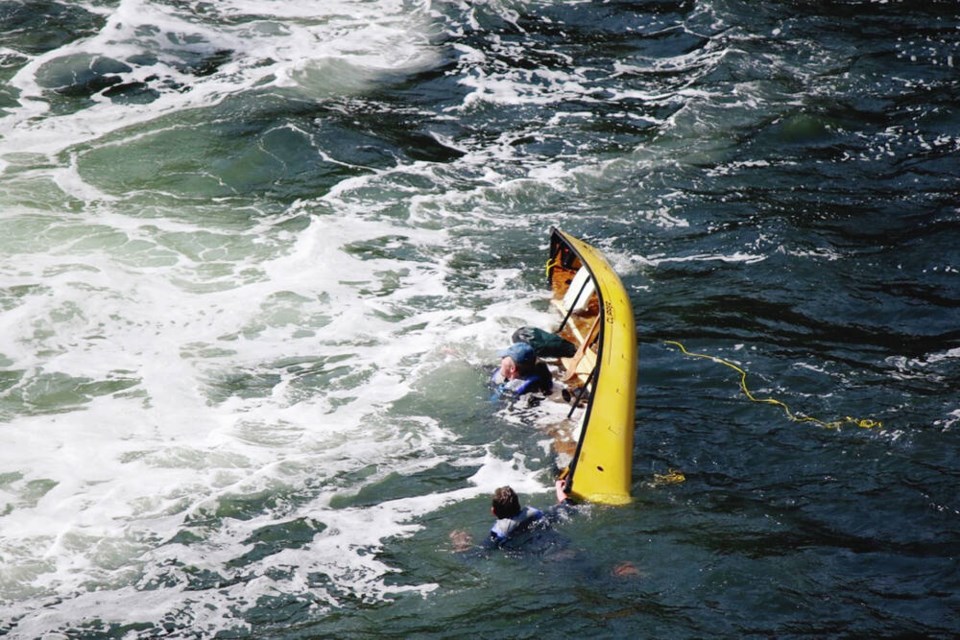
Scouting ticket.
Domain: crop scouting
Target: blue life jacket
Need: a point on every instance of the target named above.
(539, 380)
(504, 528)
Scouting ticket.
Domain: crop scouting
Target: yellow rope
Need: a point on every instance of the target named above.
(836, 424)
(672, 476)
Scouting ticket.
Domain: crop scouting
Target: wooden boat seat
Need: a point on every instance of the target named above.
(582, 363)
(579, 366)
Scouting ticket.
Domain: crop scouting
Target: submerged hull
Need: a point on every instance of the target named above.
(598, 318)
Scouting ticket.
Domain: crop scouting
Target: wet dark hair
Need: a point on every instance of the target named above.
(506, 503)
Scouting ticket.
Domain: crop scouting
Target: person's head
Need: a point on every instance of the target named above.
(517, 360)
(506, 503)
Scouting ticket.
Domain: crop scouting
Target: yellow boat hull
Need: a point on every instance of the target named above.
(603, 328)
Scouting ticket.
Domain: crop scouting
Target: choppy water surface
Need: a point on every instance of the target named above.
(256, 257)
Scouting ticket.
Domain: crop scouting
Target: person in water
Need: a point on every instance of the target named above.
(521, 372)
(512, 519)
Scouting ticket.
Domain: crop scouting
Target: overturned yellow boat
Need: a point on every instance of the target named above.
(602, 374)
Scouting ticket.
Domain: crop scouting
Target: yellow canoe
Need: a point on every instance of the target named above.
(598, 319)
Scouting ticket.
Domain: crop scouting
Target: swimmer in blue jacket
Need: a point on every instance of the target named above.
(521, 372)
(512, 519)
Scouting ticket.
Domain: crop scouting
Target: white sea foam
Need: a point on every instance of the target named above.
(164, 359)
(102, 484)
(317, 48)
(735, 257)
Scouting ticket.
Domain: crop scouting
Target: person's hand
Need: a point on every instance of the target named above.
(561, 489)
(460, 540)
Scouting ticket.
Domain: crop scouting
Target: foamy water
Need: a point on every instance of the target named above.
(166, 370)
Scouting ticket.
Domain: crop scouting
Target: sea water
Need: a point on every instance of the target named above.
(257, 257)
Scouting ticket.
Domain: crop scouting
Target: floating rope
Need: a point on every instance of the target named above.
(670, 477)
(836, 424)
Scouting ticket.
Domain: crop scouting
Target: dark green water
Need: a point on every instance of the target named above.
(255, 259)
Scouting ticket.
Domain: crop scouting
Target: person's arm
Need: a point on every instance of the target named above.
(545, 378)
(565, 506)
